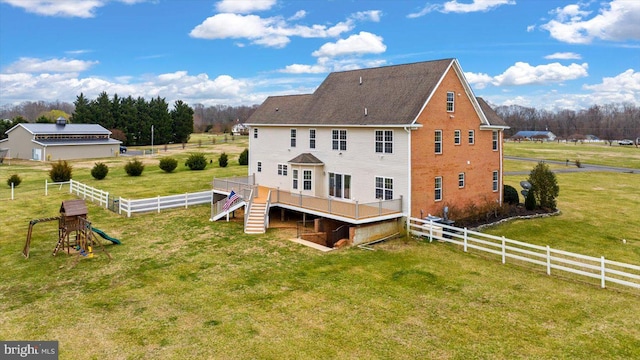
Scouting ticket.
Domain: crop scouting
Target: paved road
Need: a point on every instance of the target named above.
(571, 167)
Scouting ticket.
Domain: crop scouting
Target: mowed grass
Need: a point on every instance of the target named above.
(183, 287)
(596, 153)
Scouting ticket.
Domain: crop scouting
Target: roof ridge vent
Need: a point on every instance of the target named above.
(61, 121)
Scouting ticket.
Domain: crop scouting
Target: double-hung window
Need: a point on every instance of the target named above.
(339, 140)
(294, 175)
(306, 179)
(282, 169)
(494, 143)
(495, 181)
(384, 188)
(255, 133)
(259, 166)
(461, 180)
(312, 138)
(294, 134)
(450, 99)
(438, 141)
(472, 138)
(438, 189)
(384, 141)
(456, 137)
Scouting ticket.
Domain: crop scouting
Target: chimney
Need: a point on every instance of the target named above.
(61, 121)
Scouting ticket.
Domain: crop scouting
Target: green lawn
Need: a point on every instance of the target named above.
(183, 287)
(587, 153)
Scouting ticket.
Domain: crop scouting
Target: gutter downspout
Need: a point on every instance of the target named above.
(500, 184)
(408, 130)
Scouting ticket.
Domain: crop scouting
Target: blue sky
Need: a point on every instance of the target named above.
(551, 54)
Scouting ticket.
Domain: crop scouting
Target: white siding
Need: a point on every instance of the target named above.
(359, 160)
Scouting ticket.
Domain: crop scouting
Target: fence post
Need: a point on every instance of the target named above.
(465, 239)
(504, 250)
(548, 260)
(430, 230)
(119, 205)
(357, 210)
(46, 187)
(186, 200)
(603, 271)
(158, 204)
(106, 200)
(12, 191)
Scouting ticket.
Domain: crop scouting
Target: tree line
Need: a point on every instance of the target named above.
(136, 121)
(607, 122)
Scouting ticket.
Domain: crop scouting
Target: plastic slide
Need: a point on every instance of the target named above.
(105, 236)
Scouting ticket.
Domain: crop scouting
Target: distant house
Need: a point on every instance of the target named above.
(59, 141)
(372, 146)
(240, 129)
(534, 135)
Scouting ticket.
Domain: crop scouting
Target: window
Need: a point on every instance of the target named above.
(282, 169)
(384, 141)
(306, 179)
(495, 141)
(339, 140)
(471, 137)
(340, 185)
(438, 141)
(456, 137)
(312, 138)
(295, 179)
(384, 188)
(450, 98)
(255, 133)
(438, 189)
(461, 180)
(259, 166)
(495, 181)
(294, 133)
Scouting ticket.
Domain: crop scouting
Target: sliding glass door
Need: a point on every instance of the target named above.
(340, 185)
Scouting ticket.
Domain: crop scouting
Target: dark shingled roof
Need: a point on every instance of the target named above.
(307, 159)
(74, 208)
(492, 116)
(392, 95)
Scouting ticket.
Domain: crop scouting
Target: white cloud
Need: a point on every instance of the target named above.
(618, 20)
(244, 6)
(179, 85)
(454, 6)
(270, 32)
(34, 65)
(480, 81)
(624, 87)
(564, 56)
(524, 74)
(273, 31)
(362, 43)
(64, 8)
(304, 69)
(530, 28)
(301, 14)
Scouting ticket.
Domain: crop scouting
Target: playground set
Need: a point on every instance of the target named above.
(75, 232)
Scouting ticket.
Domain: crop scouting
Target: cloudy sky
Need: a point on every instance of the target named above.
(551, 54)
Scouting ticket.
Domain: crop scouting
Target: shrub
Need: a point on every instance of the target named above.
(578, 163)
(530, 200)
(545, 186)
(223, 160)
(14, 179)
(196, 161)
(134, 167)
(168, 164)
(244, 157)
(99, 171)
(510, 195)
(60, 171)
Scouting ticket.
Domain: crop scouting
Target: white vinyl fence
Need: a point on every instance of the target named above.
(125, 206)
(549, 259)
(164, 202)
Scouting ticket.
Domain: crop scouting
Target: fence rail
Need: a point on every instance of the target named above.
(606, 271)
(88, 192)
(160, 203)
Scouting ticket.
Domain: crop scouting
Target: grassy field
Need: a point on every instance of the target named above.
(183, 287)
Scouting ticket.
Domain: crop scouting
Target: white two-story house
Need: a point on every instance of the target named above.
(377, 145)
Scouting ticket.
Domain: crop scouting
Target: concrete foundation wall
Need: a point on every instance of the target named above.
(366, 233)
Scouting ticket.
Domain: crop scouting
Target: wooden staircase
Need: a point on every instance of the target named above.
(256, 219)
